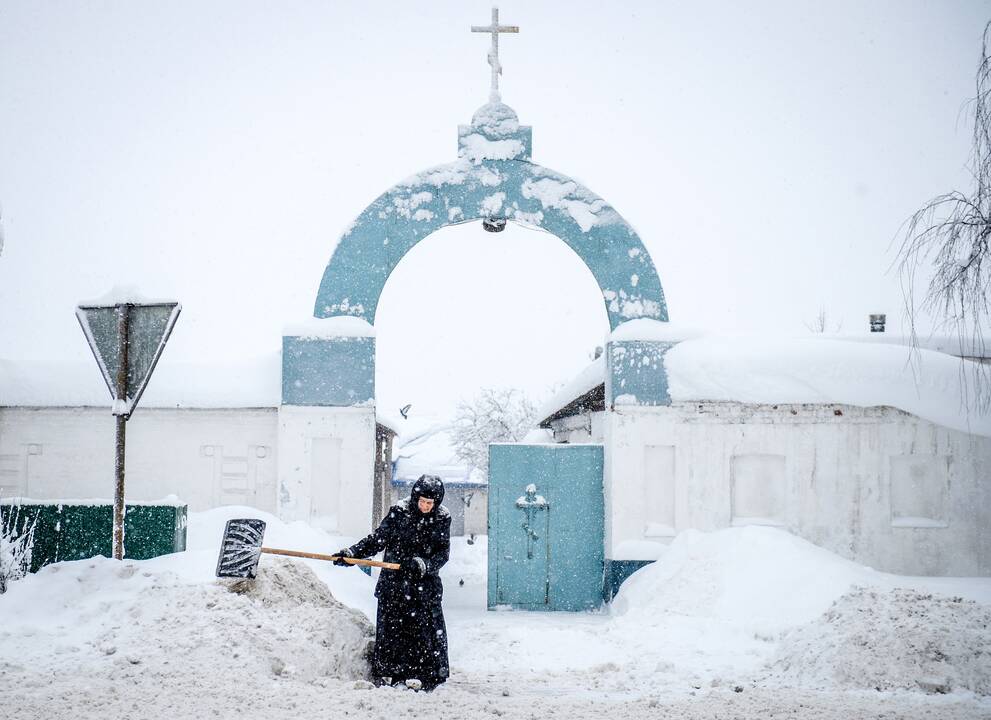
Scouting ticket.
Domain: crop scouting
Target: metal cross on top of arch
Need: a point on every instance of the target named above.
(494, 29)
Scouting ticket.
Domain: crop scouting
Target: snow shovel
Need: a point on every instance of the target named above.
(241, 549)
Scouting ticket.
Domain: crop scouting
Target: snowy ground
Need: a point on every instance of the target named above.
(745, 622)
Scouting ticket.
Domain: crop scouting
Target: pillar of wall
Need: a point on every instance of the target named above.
(327, 432)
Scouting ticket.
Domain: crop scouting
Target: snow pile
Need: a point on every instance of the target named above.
(309, 633)
(112, 620)
(892, 640)
(163, 639)
(206, 529)
(759, 578)
(757, 602)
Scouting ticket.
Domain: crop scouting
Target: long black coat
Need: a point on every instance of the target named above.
(410, 633)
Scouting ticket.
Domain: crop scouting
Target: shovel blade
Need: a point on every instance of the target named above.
(240, 548)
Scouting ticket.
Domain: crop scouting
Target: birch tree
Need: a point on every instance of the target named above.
(944, 261)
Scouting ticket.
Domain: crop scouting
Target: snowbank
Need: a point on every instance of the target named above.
(818, 621)
(116, 620)
(760, 578)
(164, 639)
(205, 530)
(891, 640)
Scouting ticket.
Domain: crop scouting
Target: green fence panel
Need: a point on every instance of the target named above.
(68, 531)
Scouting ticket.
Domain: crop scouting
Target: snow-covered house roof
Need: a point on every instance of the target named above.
(254, 382)
(426, 447)
(813, 370)
(586, 392)
(248, 382)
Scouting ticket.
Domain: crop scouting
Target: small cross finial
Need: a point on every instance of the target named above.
(494, 29)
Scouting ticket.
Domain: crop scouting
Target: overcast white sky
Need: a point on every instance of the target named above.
(213, 151)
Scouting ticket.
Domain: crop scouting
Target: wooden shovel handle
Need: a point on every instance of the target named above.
(318, 556)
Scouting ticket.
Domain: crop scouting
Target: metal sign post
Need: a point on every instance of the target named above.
(126, 339)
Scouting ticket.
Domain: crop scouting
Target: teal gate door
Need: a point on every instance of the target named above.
(546, 525)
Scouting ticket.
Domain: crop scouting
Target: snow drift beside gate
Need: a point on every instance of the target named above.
(756, 577)
(836, 624)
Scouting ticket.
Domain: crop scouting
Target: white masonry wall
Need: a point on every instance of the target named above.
(875, 485)
(588, 427)
(326, 467)
(206, 458)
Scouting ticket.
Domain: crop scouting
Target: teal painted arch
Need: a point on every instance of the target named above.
(474, 189)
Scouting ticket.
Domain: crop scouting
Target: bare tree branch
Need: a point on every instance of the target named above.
(948, 240)
(15, 545)
(821, 324)
(494, 415)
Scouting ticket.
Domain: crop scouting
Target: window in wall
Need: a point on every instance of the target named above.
(325, 475)
(758, 490)
(10, 475)
(659, 491)
(920, 488)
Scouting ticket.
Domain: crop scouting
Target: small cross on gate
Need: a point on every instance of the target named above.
(495, 28)
(530, 503)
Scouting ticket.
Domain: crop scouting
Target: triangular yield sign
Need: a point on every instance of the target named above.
(148, 330)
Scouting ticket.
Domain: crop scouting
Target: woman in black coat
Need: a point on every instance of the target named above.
(410, 634)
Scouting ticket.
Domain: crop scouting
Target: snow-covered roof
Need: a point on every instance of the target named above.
(855, 370)
(390, 421)
(594, 375)
(655, 330)
(969, 347)
(426, 447)
(586, 381)
(822, 370)
(249, 382)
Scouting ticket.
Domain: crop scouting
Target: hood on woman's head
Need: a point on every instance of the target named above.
(430, 487)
